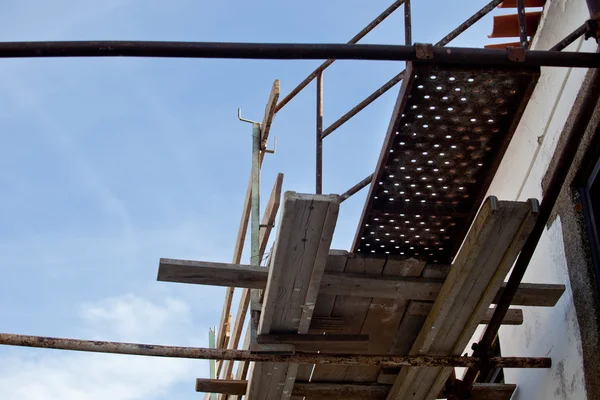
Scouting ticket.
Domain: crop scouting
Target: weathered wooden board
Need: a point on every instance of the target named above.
(353, 310)
(490, 249)
(383, 318)
(268, 223)
(322, 322)
(344, 283)
(371, 391)
(297, 263)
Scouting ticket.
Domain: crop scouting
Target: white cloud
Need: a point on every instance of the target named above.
(48, 374)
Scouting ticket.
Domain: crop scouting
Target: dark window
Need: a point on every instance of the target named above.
(590, 196)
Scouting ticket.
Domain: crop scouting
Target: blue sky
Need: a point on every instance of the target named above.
(109, 164)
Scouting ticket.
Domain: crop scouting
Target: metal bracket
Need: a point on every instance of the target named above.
(424, 51)
(263, 149)
(592, 29)
(244, 119)
(516, 54)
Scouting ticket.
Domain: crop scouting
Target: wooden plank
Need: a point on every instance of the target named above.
(491, 247)
(312, 294)
(404, 288)
(294, 338)
(268, 222)
(333, 325)
(322, 321)
(299, 241)
(265, 126)
(344, 283)
(411, 325)
(226, 386)
(384, 316)
(538, 294)
(209, 273)
(241, 236)
(481, 391)
(243, 366)
(330, 344)
(298, 260)
(493, 391)
(353, 310)
(514, 316)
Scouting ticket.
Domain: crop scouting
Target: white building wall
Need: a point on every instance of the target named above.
(552, 332)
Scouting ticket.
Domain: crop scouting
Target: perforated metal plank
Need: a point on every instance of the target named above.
(448, 133)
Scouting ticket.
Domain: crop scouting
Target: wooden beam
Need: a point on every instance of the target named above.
(513, 317)
(297, 263)
(486, 256)
(294, 338)
(346, 390)
(344, 283)
(321, 321)
(265, 127)
(538, 294)
(268, 222)
(215, 274)
(331, 344)
(241, 236)
(225, 386)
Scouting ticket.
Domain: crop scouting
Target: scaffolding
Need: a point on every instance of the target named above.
(259, 346)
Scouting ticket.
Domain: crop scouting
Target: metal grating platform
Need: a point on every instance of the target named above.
(449, 131)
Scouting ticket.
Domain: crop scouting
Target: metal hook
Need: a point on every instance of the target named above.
(244, 119)
(274, 147)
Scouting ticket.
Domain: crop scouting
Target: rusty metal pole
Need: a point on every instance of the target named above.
(582, 116)
(522, 22)
(386, 13)
(594, 7)
(201, 353)
(319, 138)
(407, 24)
(356, 188)
(392, 82)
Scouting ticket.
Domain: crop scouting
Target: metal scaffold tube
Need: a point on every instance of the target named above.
(295, 51)
(97, 346)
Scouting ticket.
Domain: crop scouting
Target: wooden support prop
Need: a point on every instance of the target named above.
(487, 254)
(343, 283)
(346, 390)
(241, 237)
(297, 263)
(268, 223)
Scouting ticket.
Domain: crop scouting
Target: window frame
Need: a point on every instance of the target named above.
(590, 210)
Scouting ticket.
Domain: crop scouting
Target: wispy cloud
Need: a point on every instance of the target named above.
(44, 374)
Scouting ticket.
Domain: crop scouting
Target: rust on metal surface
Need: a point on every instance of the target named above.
(447, 137)
(424, 51)
(379, 19)
(516, 54)
(97, 346)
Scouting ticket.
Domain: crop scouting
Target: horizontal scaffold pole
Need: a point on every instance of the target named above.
(296, 51)
(137, 349)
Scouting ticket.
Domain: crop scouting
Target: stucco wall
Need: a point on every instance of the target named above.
(552, 332)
